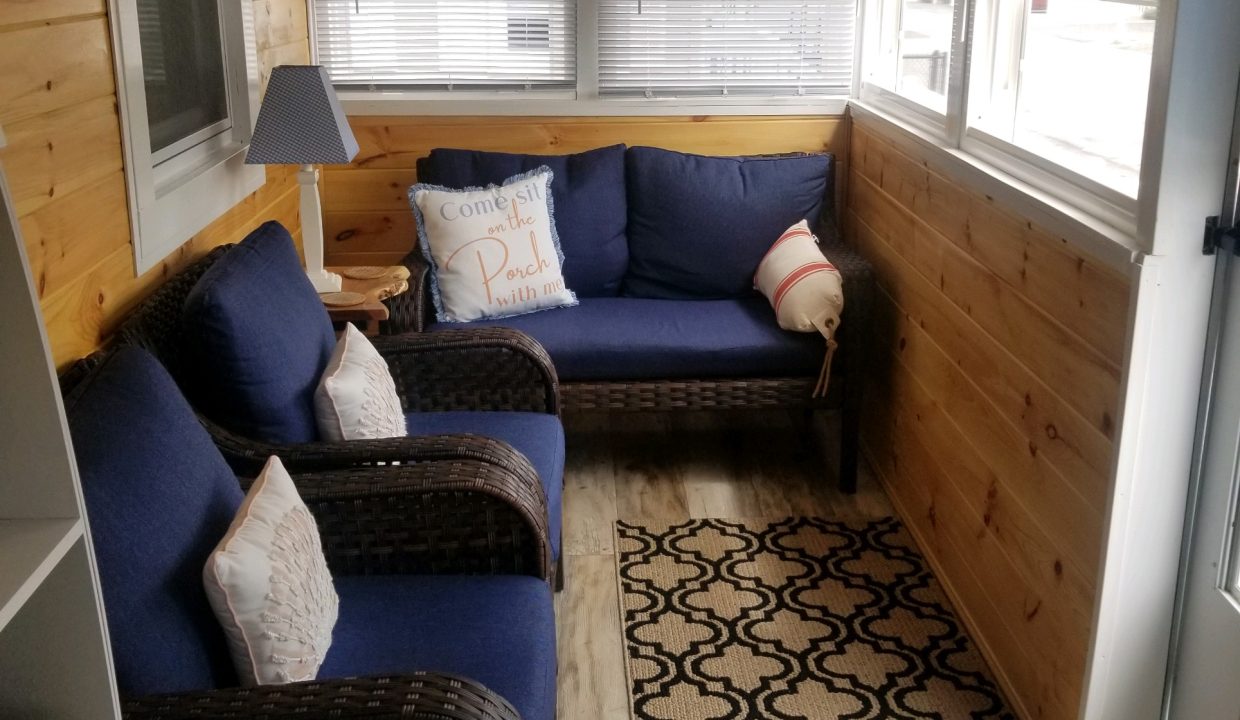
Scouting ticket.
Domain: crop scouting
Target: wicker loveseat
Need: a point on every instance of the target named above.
(159, 496)
(667, 318)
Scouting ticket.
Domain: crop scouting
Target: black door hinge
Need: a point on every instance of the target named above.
(1220, 237)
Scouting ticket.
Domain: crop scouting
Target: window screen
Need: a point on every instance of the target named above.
(661, 48)
(447, 44)
(183, 70)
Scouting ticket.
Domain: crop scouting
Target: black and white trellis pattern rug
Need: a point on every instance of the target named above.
(793, 618)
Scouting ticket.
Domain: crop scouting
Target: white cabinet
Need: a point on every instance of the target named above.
(54, 658)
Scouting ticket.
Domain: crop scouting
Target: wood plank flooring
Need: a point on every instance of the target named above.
(671, 467)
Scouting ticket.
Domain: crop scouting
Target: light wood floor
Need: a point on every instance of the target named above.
(674, 467)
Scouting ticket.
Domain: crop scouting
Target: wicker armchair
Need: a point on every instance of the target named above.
(448, 517)
(467, 370)
(493, 369)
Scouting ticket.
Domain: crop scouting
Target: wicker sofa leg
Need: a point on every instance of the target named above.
(850, 436)
(559, 571)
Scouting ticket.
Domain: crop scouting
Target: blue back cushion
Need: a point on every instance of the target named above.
(159, 496)
(699, 226)
(587, 193)
(259, 339)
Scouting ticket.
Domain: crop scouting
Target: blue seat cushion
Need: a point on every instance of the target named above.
(159, 496)
(258, 340)
(587, 193)
(699, 226)
(635, 338)
(498, 630)
(537, 436)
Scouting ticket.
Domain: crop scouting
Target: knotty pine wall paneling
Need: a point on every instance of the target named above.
(990, 414)
(366, 213)
(58, 108)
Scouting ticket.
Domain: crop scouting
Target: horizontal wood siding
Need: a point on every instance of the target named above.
(58, 108)
(366, 213)
(990, 416)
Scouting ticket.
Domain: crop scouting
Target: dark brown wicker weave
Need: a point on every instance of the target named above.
(418, 696)
(411, 311)
(430, 518)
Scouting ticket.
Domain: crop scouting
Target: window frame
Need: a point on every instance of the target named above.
(1126, 219)
(583, 100)
(171, 199)
(942, 125)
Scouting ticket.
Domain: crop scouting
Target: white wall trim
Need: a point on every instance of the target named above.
(1130, 648)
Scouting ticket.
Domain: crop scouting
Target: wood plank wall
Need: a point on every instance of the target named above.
(58, 108)
(366, 215)
(991, 413)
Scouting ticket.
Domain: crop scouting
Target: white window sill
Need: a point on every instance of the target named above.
(537, 103)
(1113, 246)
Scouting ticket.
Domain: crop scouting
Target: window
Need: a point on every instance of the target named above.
(1067, 81)
(447, 45)
(1052, 92)
(660, 48)
(187, 73)
(578, 52)
(913, 49)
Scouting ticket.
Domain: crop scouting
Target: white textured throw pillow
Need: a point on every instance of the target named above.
(356, 398)
(804, 288)
(493, 251)
(269, 586)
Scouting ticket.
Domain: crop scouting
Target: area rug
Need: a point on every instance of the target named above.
(793, 618)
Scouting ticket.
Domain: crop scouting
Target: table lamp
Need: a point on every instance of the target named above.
(300, 123)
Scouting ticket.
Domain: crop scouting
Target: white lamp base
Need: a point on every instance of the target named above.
(312, 232)
(323, 281)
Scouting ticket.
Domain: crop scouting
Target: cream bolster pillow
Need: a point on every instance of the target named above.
(493, 251)
(269, 586)
(804, 288)
(356, 398)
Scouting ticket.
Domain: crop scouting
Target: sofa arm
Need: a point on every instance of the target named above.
(474, 369)
(856, 271)
(410, 311)
(417, 696)
(433, 518)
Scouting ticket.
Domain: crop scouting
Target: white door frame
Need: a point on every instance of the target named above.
(1170, 301)
(1200, 481)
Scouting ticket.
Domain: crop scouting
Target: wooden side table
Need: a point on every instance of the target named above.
(375, 284)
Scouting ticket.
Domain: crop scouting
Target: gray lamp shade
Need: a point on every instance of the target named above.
(300, 121)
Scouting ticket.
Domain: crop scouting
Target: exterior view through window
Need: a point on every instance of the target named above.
(1067, 80)
(1059, 85)
(925, 51)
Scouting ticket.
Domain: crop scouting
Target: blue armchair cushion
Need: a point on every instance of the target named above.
(498, 630)
(537, 436)
(698, 225)
(258, 340)
(587, 192)
(635, 338)
(159, 496)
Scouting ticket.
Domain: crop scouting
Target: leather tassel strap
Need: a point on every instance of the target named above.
(826, 325)
(824, 378)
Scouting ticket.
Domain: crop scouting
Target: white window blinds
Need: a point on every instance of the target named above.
(447, 44)
(660, 48)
